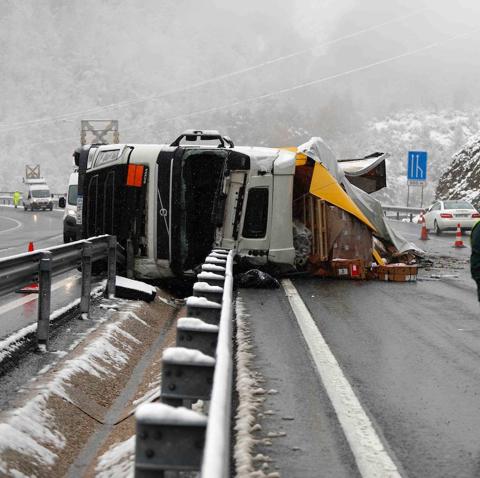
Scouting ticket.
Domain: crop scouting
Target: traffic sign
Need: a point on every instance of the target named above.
(417, 167)
(32, 172)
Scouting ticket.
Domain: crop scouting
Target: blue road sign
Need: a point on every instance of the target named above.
(417, 166)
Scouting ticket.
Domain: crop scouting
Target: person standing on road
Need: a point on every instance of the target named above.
(16, 198)
(475, 257)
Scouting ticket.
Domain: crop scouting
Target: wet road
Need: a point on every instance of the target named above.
(19, 227)
(45, 229)
(410, 352)
(440, 245)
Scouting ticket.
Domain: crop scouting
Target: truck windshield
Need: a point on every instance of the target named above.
(72, 194)
(40, 193)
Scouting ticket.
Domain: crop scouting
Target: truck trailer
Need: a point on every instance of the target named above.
(168, 205)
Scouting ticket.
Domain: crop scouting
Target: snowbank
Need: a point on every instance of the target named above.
(30, 429)
(118, 461)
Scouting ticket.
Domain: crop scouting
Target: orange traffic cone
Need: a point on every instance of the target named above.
(458, 237)
(424, 233)
(33, 287)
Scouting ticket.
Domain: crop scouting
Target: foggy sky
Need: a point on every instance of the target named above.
(84, 59)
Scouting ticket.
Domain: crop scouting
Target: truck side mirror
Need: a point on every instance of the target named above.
(61, 202)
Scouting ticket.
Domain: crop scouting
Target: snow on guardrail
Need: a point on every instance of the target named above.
(191, 372)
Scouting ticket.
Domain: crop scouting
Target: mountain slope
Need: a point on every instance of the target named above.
(462, 179)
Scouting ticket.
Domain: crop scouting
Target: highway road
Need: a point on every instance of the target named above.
(19, 227)
(44, 229)
(359, 376)
(409, 353)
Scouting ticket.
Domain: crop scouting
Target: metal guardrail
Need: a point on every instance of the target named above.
(171, 437)
(40, 266)
(402, 211)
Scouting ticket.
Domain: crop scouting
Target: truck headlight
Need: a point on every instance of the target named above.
(71, 212)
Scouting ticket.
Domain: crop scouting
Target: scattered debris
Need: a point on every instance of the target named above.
(134, 289)
(256, 279)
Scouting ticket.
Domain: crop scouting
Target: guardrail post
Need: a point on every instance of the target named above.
(45, 283)
(193, 333)
(187, 374)
(411, 217)
(86, 278)
(168, 439)
(112, 266)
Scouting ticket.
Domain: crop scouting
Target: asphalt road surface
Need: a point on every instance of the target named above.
(19, 227)
(44, 229)
(410, 353)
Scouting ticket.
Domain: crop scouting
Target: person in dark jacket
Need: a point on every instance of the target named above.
(475, 257)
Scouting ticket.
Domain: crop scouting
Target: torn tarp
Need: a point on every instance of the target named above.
(317, 150)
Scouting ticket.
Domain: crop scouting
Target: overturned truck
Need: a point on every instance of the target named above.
(283, 208)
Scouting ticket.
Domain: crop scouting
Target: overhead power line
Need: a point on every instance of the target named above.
(225, 76)
(294, 87)
(312, 82)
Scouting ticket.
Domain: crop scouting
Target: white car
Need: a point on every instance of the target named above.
(446, 215)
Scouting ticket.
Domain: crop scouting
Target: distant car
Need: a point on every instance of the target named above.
(446, 215)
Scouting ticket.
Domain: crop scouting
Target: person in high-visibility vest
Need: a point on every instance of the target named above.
(475, 256)
(16, 198)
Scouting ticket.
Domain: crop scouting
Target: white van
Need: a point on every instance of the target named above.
(37, 195)
(70, 227)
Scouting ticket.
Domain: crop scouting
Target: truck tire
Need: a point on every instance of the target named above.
(302, 242)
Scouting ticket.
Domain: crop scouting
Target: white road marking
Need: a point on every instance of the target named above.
(31, 297)
(372, 458)
(18, 224)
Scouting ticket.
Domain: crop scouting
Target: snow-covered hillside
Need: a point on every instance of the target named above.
(441, 134)
(462, 179)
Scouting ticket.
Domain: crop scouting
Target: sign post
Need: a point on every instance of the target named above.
(416, 171)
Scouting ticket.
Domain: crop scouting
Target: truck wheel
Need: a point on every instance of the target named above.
(302, 242)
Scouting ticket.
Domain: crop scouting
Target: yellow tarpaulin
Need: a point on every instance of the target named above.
(326, 187)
